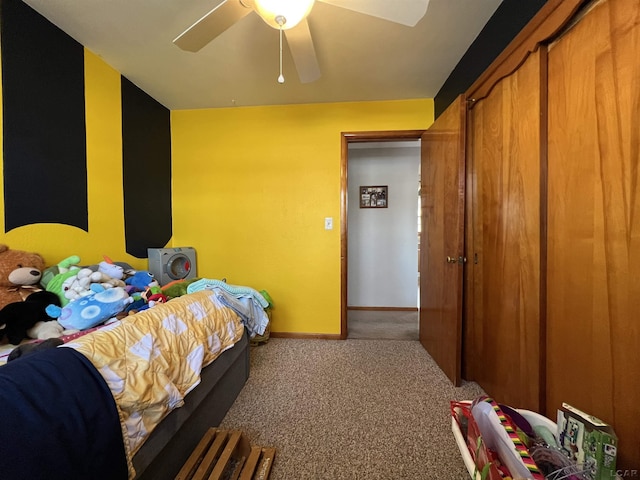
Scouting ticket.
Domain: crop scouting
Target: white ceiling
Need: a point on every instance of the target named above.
(362, 58)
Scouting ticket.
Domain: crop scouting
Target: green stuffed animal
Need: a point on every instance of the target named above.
(53, 278)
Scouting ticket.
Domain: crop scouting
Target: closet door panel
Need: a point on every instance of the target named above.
(503, 335)
(593, 332)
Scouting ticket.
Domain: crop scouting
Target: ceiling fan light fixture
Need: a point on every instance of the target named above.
(293, 11)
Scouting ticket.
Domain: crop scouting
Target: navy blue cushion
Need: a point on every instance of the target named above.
(58, 420)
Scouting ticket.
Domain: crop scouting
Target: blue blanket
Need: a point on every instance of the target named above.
(237, 291)
(248, 303)
(58, 420)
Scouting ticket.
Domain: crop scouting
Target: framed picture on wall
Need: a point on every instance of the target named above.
(374, 196)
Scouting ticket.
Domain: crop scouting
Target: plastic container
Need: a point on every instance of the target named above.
(533, 418)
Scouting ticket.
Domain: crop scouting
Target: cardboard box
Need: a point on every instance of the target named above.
(589, 441)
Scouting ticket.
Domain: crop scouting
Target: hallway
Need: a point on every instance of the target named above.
(383, 324)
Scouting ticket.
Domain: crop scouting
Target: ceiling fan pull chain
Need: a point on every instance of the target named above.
(281, 77)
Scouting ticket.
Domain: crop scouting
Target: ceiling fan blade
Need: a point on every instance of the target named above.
(304, 55)
(406, 12)
(211, 25)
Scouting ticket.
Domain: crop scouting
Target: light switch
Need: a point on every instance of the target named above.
(328, 223)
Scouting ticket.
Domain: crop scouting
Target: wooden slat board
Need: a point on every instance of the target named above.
(260, 466)
(227, 455)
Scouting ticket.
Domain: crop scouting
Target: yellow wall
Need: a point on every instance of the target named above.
(251, 189)
(104, 171)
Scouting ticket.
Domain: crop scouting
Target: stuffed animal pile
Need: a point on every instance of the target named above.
(89, 296)
(39, 303)
(144, 289)
(22, 301)
(71, 282)
(29, 319)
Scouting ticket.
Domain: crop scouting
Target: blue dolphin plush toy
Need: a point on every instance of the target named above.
(140, 280)
(92, 310)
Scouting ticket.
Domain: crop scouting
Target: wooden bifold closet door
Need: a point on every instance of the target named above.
(552, 287)
(593, 294)
(502, 336)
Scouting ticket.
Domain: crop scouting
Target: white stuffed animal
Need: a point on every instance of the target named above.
(73, 288)
(88, 277)
(86, 282)
(111, 269)
(44, 330)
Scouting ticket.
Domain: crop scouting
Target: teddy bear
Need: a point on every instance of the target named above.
(20, 274)
(29, 319)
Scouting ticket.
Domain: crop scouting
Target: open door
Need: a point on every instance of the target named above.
(442, 241)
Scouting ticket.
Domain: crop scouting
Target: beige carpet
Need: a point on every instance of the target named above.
(382, 324)
(352, 409)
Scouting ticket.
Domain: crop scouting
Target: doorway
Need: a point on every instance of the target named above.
(363, 138)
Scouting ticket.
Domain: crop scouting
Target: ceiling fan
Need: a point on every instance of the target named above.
(290, 17)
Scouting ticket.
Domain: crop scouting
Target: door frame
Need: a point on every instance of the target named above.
(345, 139)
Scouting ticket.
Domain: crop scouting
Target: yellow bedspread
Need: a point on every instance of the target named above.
(152, 359)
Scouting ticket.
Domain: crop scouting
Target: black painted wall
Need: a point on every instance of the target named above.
(510, 17)
(44, 133)
(45, 171)
(146, 156)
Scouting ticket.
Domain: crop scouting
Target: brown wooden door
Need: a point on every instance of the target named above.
(593, 287)
(442, 237)
(504, 339)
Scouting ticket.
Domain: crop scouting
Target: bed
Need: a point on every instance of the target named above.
(130, 400)
(169, 446)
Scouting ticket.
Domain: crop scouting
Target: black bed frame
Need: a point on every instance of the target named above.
(173, 440)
